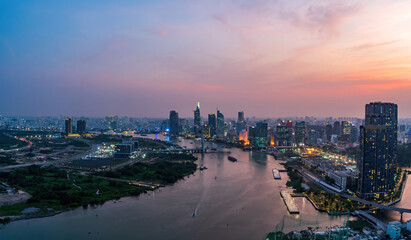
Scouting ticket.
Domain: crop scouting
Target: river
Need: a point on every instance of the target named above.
(238, 200)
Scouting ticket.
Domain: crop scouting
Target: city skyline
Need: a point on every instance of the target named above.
(268, 58)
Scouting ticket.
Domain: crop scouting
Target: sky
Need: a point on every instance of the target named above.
(144, 58)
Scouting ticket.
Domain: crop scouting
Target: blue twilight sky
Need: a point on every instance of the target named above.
(144, 58)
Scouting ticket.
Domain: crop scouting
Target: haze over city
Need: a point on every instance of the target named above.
(143, 58)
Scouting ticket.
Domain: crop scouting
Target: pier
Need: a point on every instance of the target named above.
(289, 202)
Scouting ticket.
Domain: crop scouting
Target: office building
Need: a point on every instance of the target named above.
(328, 132)
(313, 136)
(68, 126)
(378, 143)
(197, 121)
(206, 131)
(174, 123)
(123, 150)
(285, 133)
(81, 126)
(261, 131)
(220, 124)
(345, 131)
(300, 131)
(241, 124)
(212, 124)
(337, 128)
(252, 135)
(113, 125)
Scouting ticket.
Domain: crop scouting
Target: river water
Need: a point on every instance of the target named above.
(233, 201)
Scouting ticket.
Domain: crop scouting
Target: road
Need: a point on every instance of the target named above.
(64, 160)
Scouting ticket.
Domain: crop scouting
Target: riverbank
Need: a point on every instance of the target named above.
(54, 190)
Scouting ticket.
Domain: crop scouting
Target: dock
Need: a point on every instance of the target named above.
(289, 202)
(276, 174)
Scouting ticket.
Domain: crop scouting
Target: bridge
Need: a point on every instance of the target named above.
(193, 150)
(373, 219)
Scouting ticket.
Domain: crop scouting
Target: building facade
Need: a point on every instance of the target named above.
(197, 121)
(68, 126)
(174, 123)
(378, 143)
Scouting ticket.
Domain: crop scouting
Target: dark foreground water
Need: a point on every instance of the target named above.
(233, 201)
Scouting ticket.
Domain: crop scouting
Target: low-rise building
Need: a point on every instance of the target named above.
(394, 229)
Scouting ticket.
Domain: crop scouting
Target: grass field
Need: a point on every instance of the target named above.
(52, 190)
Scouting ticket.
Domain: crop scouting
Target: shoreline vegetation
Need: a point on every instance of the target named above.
(54, 190)
(334, 204)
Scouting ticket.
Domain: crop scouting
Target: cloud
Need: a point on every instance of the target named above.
(371, 45)
(320, 18)
(162, 32)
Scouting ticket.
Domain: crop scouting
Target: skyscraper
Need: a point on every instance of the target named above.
(68, 126)
(212, 123)
(328, 132)
(241, 117)
(337, 128)
(345, 131)
(220, 124)
(300, 131)
(261, 134)
(241, 125)
(378, 143)
(285, 133)
(197, 121)
(174, 127)
(81, 126)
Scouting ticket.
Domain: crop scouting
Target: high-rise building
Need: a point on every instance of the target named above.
(113, 125)
(174, 127)
(378, 144)
(345, 131)
(328, 132)
(285, 133)
(197, 121)
(206, 131)
(81, 126)
(261, 131)
(241, 124)
(337, 128)
(300, 131)
(354, 134)
(313, 137)
(220, 124)
(252, 135)
(212, 123)
(68, 126)
(241, 117)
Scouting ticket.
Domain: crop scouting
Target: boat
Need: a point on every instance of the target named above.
(276, 174)
(232, 159)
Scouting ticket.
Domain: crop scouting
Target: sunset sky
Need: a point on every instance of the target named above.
(145, 58)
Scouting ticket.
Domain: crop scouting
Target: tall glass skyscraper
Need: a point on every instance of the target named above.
(261, 131)
(174, 126)
(197, 121)
(378, 142)
(68, 126)
(220, 124)
(212, 123)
